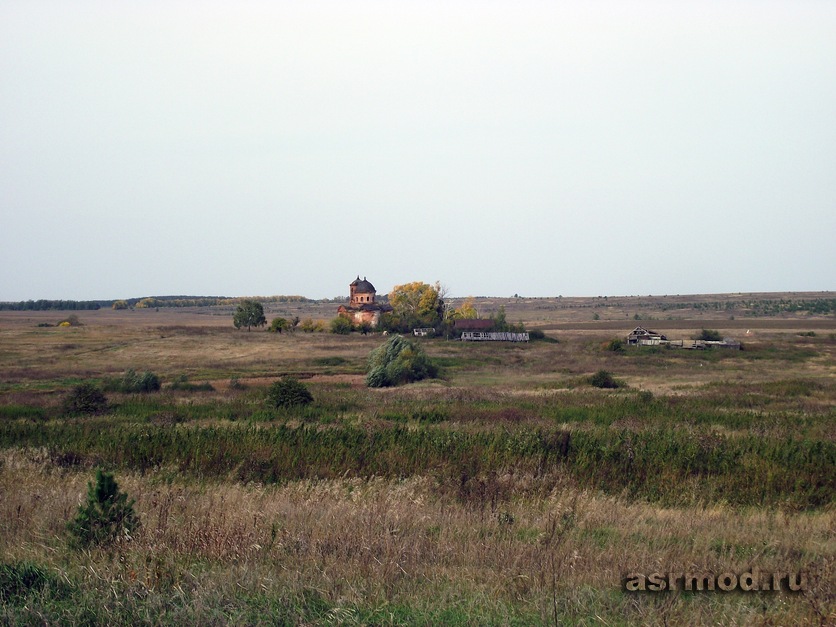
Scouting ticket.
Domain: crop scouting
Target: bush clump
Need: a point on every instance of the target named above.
(341, 326)
(309, 325)
(105, 516)
(288, 392)
(603, 379)
(277, 325)
(134, 383)
(85, 398)
(709, 335)
(615, 345)
(71, 321)
(397, 361)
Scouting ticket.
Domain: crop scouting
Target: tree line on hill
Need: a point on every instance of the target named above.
(54, 305)
(149, 302)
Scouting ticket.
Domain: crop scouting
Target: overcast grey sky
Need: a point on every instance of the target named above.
(540, 148)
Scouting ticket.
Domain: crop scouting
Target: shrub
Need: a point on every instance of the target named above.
(341, 326)
(309, 325)
(85, 398)
(288, 392)
(147, 382)
(603, 379)
(70, 321)
(709, 335)
(106, 515)
(615, 345)
(277, 325)
(645, 396)
(133, 383)
(397, 361)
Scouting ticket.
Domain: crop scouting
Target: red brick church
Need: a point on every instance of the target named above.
(361, 304)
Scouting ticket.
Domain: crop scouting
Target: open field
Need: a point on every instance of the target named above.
(509, 491)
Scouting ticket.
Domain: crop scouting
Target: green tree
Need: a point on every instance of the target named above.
(249, 313)
(500, 322)
(106, 516)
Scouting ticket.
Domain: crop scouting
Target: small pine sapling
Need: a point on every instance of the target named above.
(106, 515)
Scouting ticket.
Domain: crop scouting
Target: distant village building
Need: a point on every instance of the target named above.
(362, 306)
(645, 337)
(481, 330)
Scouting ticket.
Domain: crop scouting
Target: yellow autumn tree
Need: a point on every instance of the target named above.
(467, 311)
(417, 304)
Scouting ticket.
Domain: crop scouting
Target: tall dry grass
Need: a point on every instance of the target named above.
(372, 543)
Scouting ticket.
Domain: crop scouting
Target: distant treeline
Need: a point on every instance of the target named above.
(53, 305)
(746, 307)
(140, 303)
(206, 301)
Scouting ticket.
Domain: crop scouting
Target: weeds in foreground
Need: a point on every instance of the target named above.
(398, 551)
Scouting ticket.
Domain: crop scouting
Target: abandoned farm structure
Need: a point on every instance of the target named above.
(479, 330)
(645, 337)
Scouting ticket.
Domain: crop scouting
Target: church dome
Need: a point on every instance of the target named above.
(362, 287)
